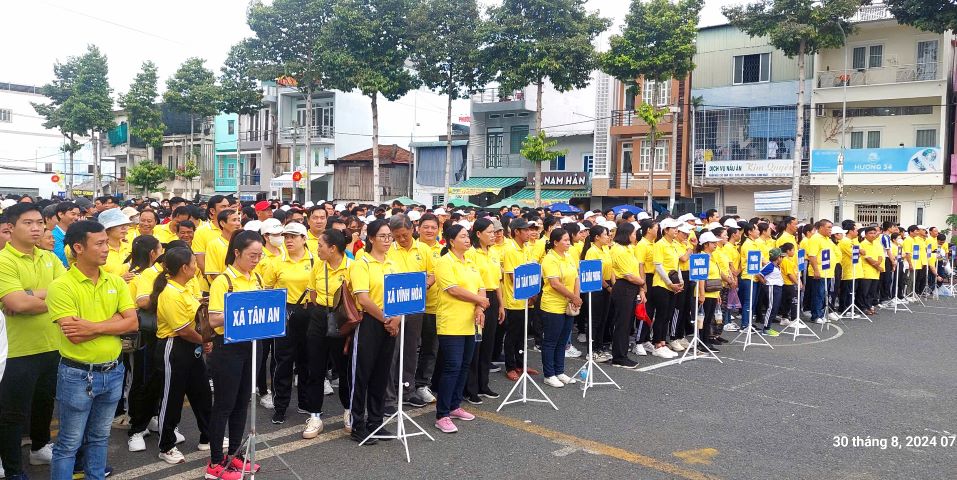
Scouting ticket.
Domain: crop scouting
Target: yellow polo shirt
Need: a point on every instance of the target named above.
(293, 275)
(312, 241)
(538, 249)
(823, 249)
(413, 259)
(604, 255)
(337, 276)
(785, 237)
(645, 253)
(748, 246)
(164, 234)
(875, 251)
(489, 266)
(456, 317)
(216, 256)
(75, 295)
(666, 254)
(220, 287)
(789, 267)
(714, 273)
(175, 310)
(368, 276)
(515, 256)
(564, 268)
(733, 256)
(918, 261)
(848, 270)
(202, 236)
(29, 334)
(432, 294)
(684, 265)
(623, 263)
(116, 258)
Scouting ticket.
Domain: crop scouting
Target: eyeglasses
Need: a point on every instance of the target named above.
(384, 236)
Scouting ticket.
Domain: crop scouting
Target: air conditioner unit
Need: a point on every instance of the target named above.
(819, 110)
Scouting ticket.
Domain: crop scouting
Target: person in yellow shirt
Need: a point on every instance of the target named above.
(208, 230)
(486, 259)
(517, 252)
(709, 301)
(788, 228)
(148, 222)
(562, 288)
(789, 272)
(228, 222)
(872, 261)
(316, 217)
(429, 346)
(820, 260)
(746, 287)
(461, 316)
(625, 292)
(920, 240)
(231, 363)
(182, 367)
(666, 286)
(116, 225)
(684, 302)
(293, 272)
(170, 230)
(597, 246)
(271, 230)
(851, 273)
(374, 338)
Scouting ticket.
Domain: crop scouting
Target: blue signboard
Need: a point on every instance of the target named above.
(916, 255)
(404, 294)
(879, 160)
(754, 262)
(802, 260)
(589, 272)
(826, 259)
(953, 251)
(254, 315)
(930, 250)
(855, 254)
(528, 281)
(699, 263)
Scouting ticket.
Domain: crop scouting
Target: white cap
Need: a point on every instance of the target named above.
(588, 215)
(565, 220)
(698, 221)
(460, 212)
(609, 225)
(684, 228)
(130, 212)
(439, 211)
(253, 225)
(154, 205)
(295, 228)
(713, 225)
(414, 215)
(669, 223)
(688, 217)
(838, 231)
(285, 208)
(308, 205)
(707, 237)
(636, 225)
(341, 207)
(922, 227)
(731, 223)
(7, 203)
(581, 226)
(465, 223)
(369, 219)
(270, 226)
(642, 216)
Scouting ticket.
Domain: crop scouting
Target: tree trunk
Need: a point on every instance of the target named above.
(799, 136)
(375, 149)
(653, 137)
(308, 147)
(69, 183)
(448, 149)
(538, 128)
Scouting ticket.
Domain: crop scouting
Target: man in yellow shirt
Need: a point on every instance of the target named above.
(207, 232)
(820, 257)
(913, 252)
(788, 228)
(517, 253)
(429, 346)
(316, 217)
(93, 308)
(851, 272)
(872, 261)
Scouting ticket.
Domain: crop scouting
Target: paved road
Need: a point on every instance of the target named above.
(761, 414)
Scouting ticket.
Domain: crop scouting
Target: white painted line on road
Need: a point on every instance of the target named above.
(795, 369)
(763, 377)
(736, 392)
(673, 361)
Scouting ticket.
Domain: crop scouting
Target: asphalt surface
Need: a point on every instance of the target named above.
(763, 413)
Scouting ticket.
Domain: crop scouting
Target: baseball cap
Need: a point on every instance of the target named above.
(271, 226)
(295, 228)
(130, 212)
(836, 230)
(707, 237)
(518, 224)
(774, 253)
(496, 225)
(642, 216)
(262, 206)
(414, 215)
(731, 223)
(670, 223)
(688, 217)
(253, 225)
(684, 228)
(439, 211)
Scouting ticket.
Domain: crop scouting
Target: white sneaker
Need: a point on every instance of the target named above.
(833, 316)
(806, 315)
(266, 401)
(664, 352)
(602, 357)
(225, 444)
(42, 456)
(582, 338)
(819, 321)
(173, 456)
(731, 327)
(572, 352)
(327, 388)
(676, 346)
(684, 342)
(554, 382)
(566, 379)
(313, 427)
(785, 323)
(640, 350)
(136, 443)
(648, 346)
(179, 436)
(425, 394)
(203, 447)
(347, 420)
(154, 425)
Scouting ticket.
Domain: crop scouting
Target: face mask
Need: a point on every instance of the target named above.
(362, 236)
(276, 240)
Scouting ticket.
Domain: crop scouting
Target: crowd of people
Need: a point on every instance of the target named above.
(113, 314)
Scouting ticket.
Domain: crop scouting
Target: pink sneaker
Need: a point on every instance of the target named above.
(460, 414)
(445, 424)
(221, 472)
(237, 465)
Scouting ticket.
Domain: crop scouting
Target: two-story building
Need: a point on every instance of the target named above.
(881, 103)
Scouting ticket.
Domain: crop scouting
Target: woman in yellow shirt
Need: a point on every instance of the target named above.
(666, 286)
(597, 247)
(709, 301)
(562, 288)
(374, 339)
(489, 265)
(231, 363)
(329, 276)
(116, 225)
(629, 280)
(749, 235)
(459, 320)
(179, 352)
(645, 253)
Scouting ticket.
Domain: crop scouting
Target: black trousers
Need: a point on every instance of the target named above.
(482, 358)
(681, 325)
(845, 297)
(428, 350)
(146, 385)
(184, 374)
(886, 281)
(322, 349)
(291, 351)
(231, 365)
(265, 365)
(664, 300)
(535, 325)
(514, 339)
(708, 307)
(372, 350)
(598, 302)
(624, 296)
(496, 347)
(28, 385)
(789, 302)
(921, 280)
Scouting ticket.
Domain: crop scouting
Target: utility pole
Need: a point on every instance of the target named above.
(129, 148)
(239, 163)
(96, 163)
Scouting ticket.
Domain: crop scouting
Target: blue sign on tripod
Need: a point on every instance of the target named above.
(254, 315)
(826, 259)
(404, 294)
(589, 273)
(916, 252)
(698, 264)
(802, 260)
(528, 281)
(754, 262)
(855, 254)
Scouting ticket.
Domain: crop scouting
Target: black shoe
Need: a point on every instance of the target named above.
(625, 363)
(711, 347)
(278, 418)
(719, 340)
(414, 400)
(389, 411)
(360, 435)
(488, 394)
(474, 399)
(384, 432)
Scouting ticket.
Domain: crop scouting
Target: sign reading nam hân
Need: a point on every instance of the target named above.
(559, 180)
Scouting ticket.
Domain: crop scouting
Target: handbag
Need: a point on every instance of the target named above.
(572, 311)
(713, 285)
(344, 310)
(332, 323)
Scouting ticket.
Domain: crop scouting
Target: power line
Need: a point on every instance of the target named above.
(115, 24)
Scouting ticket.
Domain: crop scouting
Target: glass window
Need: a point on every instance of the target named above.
(663, 92)
(875, 57)
(926, 137)
(874, 139)
(588, 162)
(6, 115)
(517, 135)
(752, 68)
(494, 148)
(438, 199)
(558, 164)
(859, 58)
(660, 156)
(231, 127)
(626, 151)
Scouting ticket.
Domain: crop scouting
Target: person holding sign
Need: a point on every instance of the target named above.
(851, 269)
(596, 247)
(629, 281)
(709, 300)
(373, 342)
(461, 316)
(749, 232)
(560, 296)
(517, 252)
(771, 276)
(489, 265)
(231, 363)
(179, 351)
(819, 252)
(872, 258)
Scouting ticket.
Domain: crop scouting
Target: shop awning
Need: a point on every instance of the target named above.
(477, 185)
(526, 197)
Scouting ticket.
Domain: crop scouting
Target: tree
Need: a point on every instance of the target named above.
(798, 28)
(931, 15)
(530, 41)
(193, 90)
(80, 103)
(188, 172)
(446, 56)
(240, 91)
(537, 148)
(148, 175)
(657, 44)
(287, 45)
(144, 116)
(369, 42)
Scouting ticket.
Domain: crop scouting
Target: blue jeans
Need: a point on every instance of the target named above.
(817, 296)
(86, 402)
(556, 328)
(456, 353)
(744, 294)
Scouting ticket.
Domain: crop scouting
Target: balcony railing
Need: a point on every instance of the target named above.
(492, 95)
(318, 131)
(503, 160)
(869, 13)
(254, 136)
(918, 72)
(627, 118)
(230, 182)
(631, 181)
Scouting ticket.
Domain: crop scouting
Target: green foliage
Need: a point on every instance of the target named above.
(80, 97)
(530, 41)
(148, 175)
(287, 41)
(189, 171)
(445, 47)
(146, 119)
(651, 116)
(537, 149)
(791, 25)
(193, 90)
(931, 15)
(240, 93)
